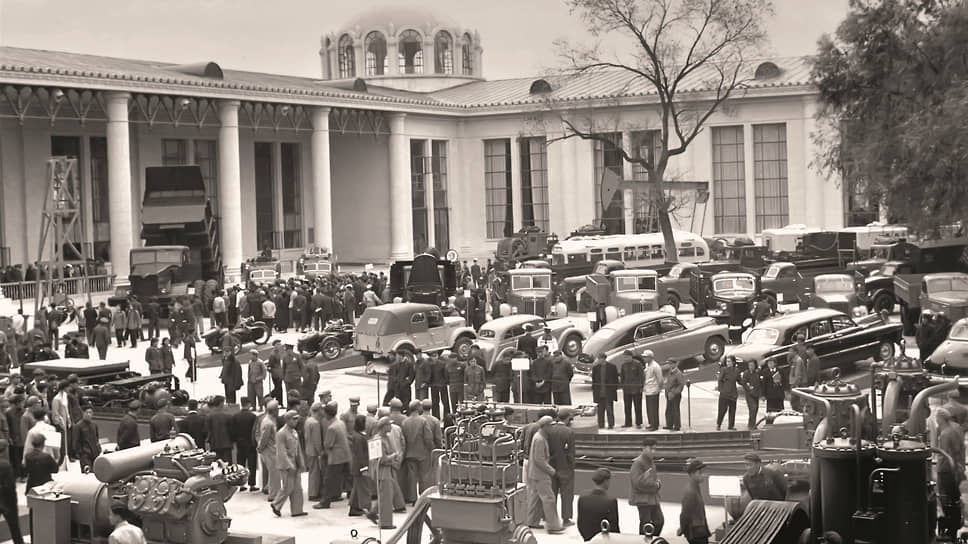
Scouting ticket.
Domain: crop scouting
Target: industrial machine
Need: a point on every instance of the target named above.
(425, 279)
(529, 242)
(176, 490)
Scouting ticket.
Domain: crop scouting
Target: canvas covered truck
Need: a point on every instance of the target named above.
(943, 293)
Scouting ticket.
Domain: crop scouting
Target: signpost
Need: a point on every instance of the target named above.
(520, 364)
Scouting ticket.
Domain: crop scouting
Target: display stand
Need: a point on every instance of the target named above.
(50, 518)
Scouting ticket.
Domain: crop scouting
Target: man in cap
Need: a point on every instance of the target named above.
(596, 506)
(438, 386)
(674, 383)
(87, 444)
(540, 474)
(645, 485)
(475, 380)
(763, 482)
(349, 416)
(653, 386)
(292, 370)
(391, 456)
(257, 373)
(315, 464)
(290, 463)
(101, 336)
(371, 419)
(632, 377)
(325, 397)
(423, 372)
(528, 343)
(266, 446)
(692, 516)
(128, 436)
(419, 445)
(337, 447)
(540, 377)
(561, 446)
(548, 340)
(454, 369)
(243, 423)
(162, 423)
(503, 376)
(604, 389)
(310, 379)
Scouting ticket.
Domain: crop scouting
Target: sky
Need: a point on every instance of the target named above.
(283, 36)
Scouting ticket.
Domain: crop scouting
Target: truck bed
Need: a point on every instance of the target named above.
(907, 289)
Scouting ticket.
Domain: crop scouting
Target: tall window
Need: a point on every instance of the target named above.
(609, 210)
(100, 209)
(466, 61)
(858, 208)
(174, 152)
(498, 196)
(206, 160)
(443, 53)
(410, 55)
(770, 176)
(534, 183)
(346, 56)
(438, 169)
(729, 180)
(419, 162)
(376, 54)
(645, 143)
(264, 201)
(291, 201)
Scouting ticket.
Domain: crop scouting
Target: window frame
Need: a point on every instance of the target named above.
(729, 139)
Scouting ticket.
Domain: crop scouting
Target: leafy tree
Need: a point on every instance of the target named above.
(674, 47)
(893, 96)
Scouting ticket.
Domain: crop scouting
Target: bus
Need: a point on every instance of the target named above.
(578, 255)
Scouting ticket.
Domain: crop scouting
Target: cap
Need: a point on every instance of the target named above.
(695, 465)
(544, 421)
(290, 414)
(565, 413)
(372, 408)
(752, 457)
(354, 401)
(39, 372)
(134, 405)
(445, 353)
(427, 403)
(649, 442)
(648, 353)
(325, 393)
(601, 474)
(383, 422)
(396, 403)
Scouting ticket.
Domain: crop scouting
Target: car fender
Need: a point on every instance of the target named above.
(403, 343)
(570, 330)
(462, 331)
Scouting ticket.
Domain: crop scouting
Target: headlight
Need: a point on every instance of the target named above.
(514, 309)
(859, 311)
(621, 312)
(722, 306)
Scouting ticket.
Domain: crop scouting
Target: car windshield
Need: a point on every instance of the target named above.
(955, 283)
(733, 284)
(837, 284)
(881, 252)
(676, 271)
(486, 333)
(763, 336)
(531, 282)
(772, 272)
(886, 270)
(632, 283)
(959, 331)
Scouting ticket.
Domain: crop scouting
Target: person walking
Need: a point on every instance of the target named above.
(645, 486)
(726, 384)
(597, 506)
(419, 445)
(604, 390)
(753, 390)
(632, 378)
(231, 377)
(266, 447)
(540, 473)
(313, 448)
(101, 337)
(561, 447)
(87, 443)
(692, 515)
(256, 374)
(128, 435)
(241, 427)
(133, 324)
(675, 382)
(653, 386)
(290, 464)
(337, 447)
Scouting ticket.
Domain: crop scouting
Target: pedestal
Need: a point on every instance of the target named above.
(50, 520)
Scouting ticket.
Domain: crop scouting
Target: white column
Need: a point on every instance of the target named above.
(119, 183)
(278, 214)
(359, 57)
(393, 66)
(628, 195)
(229, 189)
(401, 217)
(750, 174)
(322, 180)
(87, 198)
(429, 193)
(458, 54)
(516, 194)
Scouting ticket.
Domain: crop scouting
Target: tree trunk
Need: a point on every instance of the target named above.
(665, 223)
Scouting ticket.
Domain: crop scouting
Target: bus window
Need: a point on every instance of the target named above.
(687, 252)
(613, 253)
(557, 258)
(629, 254)
(577, 258)
(658, 252)
(596, 255)
(700, 252)
(643, 253)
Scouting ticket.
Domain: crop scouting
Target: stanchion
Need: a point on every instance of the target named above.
(689, 402)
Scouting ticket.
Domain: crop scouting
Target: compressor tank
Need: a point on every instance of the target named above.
(844, 470)
(903, 494)
(118, 465)
(90, 505)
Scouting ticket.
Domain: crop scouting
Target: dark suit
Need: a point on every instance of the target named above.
(219, 429)
(241, 427)
(128, 436)
(605, 391)
(561, 450)
(692, 516)
(194, 426)
(594, 507)
(529, 345)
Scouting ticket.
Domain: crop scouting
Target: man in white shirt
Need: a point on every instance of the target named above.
(547, 339)
(653, 386)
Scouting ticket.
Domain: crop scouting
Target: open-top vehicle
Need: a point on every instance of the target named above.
(499, 336)
(329, 342)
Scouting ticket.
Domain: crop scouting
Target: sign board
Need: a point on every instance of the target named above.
(452, 255)
(520, 363)
(724, 486)
(375, 448)
(368, 267)
(592, 317)
(467, 293)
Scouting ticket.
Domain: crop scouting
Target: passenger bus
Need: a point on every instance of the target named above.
(578, 255)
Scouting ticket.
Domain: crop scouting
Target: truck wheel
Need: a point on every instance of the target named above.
(462, 347)
(330, 348)
(571, 345)
(673, 300)
(883, 301)
(885, 350)
(715, 347)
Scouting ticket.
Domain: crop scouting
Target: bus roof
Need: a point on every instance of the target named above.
(528, 271)
(626, 240)
(158, 248)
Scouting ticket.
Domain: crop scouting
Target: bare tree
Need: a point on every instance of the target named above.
(697, 48)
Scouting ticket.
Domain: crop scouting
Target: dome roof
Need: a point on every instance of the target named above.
(401, 17)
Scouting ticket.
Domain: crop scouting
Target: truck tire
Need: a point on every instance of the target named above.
(883, 301)
(331, 349)
(714, 350)
(462, 347)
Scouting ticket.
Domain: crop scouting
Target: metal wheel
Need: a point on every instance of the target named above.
(330, 348)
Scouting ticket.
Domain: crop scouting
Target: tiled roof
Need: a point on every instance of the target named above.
(610, 84)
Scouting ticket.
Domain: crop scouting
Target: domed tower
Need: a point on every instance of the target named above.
(405, 48)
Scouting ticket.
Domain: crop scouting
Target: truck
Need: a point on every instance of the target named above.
(945, 293)
(626, 291)
(834, 291)
(572, 289)
(425, 279)
(676, 285)
(530, 292)
(261, 271)
(876, 290)
(158, 274)
(314, 263)
(727, 297)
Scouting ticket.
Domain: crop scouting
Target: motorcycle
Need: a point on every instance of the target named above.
(330, 341)
(248, 330)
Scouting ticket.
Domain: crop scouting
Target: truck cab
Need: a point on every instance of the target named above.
(311, 265)
(157, 275)
(877, 290)
(834, 291)
(572, 289)
(942, 293)
(782, 283)
(727, 297)
(531, 292)
(261, 271)
(628, 291)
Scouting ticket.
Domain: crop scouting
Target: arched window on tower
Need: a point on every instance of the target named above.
(410, 54)
(376, 54)
(467, 63)
(443, 53)
(347, 62)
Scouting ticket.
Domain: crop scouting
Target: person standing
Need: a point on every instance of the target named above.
(424, 375)
(503, 375)
(274, 367)
(541, 377)
(455, 380)
(951, 471)
(438, 386)
(269, 314)
(359, 467)
(528, 343)
(8, 495)
(310, 379)
(597, 506)
(692, 515)
(632, 377)
(119, 321)
(195, 424)
(797, 359)
(162, 422)
(750, 380)
(218, 310)
(266, 447)
(349, 305)
(123, 532)
(561, 446)
(418, 440)
(101, 336)
(292, 371)
(337, 448)
(133, 324)
(726, 384)
(475, 381)
(604, 390)
(382, 513)
(231, 376)
(675, 382)
(761, 482)
(540, 473)
(128, 436)
(219, 425)
(153, 357)
(290, 464)
(548, 340)
(562, 371)
(772, 382)
(39, 465)
(436, 428)
(90, 321)
(652, 388)
(153, 316)
(257, 372)
(315, 457)
(168, 362)
(645, 487)
(242, 425)
(87, 444)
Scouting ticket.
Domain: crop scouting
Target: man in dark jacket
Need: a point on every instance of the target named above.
(231, 376)
(750, 380)
(87, 445)
(438, 386)
(219, 429)
(241, 426)
(596, 506)
(8, 495)
(503, 375)
(101, 336)
(674, 383)
(423, 376)
(632, 377)
(128, 436)
(561, 447)
(90, 321)
(162, 423)
(692, 516)
(644, 488)
(726, 384)
(541, 377)
(274, 367)
(562, 371)
(406, 374)
(604, 390)
(528, 343)
(419, 446)
(455, 379)
(762, 482)
(194, 424)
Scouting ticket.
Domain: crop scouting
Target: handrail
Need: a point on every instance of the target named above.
(72, 286)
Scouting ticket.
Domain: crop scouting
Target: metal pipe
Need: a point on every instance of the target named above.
(802, 392)
(856, 413)
(916, 422)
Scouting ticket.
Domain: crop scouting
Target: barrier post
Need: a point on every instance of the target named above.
(689, 402)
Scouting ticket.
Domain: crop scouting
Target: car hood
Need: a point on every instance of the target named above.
(746, 352)
(598, 343)
(953, 298)
(951, 352)
(834, 298)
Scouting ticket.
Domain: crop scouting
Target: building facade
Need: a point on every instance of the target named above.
(400, 146)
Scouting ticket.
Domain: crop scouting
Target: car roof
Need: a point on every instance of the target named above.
(403, 308)
(510, 321)
(635, 320)
(635, 272)
(945, 275)
(800, 318)
(832, 276)
(528, 271)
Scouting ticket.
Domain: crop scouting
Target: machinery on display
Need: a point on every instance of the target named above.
(248, 330)
(261, 271)
(159, 274)
(315, 262)
(530, 292)
(527, 243)
(425, 279)
(329, 342)
(176, 490)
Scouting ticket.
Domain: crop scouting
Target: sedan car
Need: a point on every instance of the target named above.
(951, 357)
(838, 340)
(501, 335)
(667, 337)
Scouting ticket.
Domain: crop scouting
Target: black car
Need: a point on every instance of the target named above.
(838, 340)
(330, 341)
(727, 297)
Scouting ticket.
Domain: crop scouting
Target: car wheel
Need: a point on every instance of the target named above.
(462, 347)
(571, 345)
(715, 347)
(883, 301)
(885, 350)
(673, 300)
(330, 348)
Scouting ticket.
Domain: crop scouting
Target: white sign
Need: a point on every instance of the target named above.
(724, 486)
(467, 293)
(520, 363)
(375, 448)
(592, 317)
(368, 267)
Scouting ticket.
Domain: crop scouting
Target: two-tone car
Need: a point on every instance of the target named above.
(838, 340)
(665, 335)
(410, 326)
(499, 336)
(951, 357)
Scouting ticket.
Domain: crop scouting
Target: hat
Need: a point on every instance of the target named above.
(544, 421)
(134, 405)
(427, 403)
(445, 353)
(649, 442)
(383, 422)
(39, 372)
(372, 408)
(601, 474)
(694, 466)
(354, 401)
(648, 353)
(325, 393)
(565, 413)
(290, 414)
(752, 457)
(396, 403)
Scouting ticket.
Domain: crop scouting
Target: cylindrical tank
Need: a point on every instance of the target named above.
(90, 503)
(904, 494)
(118, 465)
(842, 466)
